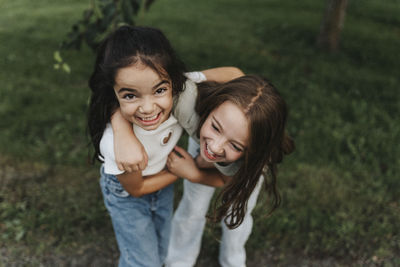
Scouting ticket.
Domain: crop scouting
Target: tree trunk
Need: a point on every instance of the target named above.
(332, 24)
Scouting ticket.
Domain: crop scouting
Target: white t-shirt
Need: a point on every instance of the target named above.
(158, 144)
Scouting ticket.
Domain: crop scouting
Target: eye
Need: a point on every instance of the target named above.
(235, 147)
(214, 127)
(129, 96)
(161, 90)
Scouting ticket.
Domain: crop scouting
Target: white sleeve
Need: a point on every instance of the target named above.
(107, 151)
(196, 76)
(184, 110)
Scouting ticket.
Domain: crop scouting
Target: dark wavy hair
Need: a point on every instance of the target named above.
(266, 112)
(126, 46)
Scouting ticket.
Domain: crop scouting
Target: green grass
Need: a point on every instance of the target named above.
(340, 187)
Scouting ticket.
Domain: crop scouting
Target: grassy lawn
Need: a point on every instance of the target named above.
(340, 189)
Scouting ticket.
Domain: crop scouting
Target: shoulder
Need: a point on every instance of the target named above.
(230, 169)
(189, 92)
(184, 109)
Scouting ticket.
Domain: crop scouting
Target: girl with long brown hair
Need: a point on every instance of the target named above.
(242, 133)
(240, 128)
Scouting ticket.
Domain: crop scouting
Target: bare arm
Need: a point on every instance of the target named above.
(211, 177)
(184, 166)
(125, 142)
(137, 185)
(222, 74)
(202, 164)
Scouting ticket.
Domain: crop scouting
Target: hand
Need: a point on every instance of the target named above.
(183, 165)
(130, 155)
(201, 163)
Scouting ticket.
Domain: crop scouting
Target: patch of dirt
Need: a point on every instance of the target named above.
(100, 249)
(97, 255)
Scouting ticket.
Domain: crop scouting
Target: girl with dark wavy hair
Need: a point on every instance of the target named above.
(137, 72)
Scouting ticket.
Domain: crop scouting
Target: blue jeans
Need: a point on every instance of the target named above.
(141, 225)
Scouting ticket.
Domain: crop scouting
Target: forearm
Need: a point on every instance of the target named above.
(125, 142)
(210, 177)
(137, 185)
(121, 125)
(222, 74)
(153, 183)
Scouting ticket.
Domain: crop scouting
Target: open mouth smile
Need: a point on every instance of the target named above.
(209, 154)
(149, 120)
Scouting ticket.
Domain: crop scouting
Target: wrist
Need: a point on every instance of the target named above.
(199, 161)
(196, 175)
(169, 174)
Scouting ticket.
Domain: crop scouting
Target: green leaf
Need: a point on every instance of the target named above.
(20, 234)
(97, 10)
(66, 68)
(57, 56)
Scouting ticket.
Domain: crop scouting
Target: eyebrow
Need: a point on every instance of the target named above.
(220, 126)
(127, 90)
(160, 83)
(124, 89)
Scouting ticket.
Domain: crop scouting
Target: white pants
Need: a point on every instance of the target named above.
(189, 221)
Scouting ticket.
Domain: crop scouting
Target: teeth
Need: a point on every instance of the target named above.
(209, 151)
(149, 118)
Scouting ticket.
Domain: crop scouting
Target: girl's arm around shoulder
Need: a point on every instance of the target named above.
(125, 142)
(211, 177)
(137, 185)
(222, 74)
(183, 165)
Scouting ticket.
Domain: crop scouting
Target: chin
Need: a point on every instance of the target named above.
(149, 128)
(205, 158)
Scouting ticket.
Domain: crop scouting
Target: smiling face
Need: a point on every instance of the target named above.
(145, 98)
(224, 135)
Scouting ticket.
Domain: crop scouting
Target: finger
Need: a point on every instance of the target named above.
(173, 155)
(128, 169)
(142, 165)
(168, 163)
(124, 167)
(146, 159)
(120, 167)
(182, 151)
(135, 168)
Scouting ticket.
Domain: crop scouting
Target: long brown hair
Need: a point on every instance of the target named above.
(266, 112)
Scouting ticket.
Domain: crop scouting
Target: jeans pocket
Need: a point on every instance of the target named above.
(115, 187)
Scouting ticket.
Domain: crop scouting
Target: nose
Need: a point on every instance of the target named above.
(147, 106)
(217, 146)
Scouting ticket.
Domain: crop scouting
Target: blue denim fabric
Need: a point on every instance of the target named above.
(141, 225)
